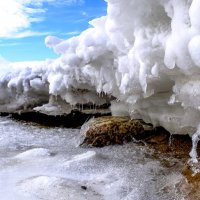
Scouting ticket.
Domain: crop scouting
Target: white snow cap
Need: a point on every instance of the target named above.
(145, 53)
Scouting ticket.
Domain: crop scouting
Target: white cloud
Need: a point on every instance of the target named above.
(28, 33)
(16, 16)
(9, 44)
(72, 33)
(12, 17)
(69, 2)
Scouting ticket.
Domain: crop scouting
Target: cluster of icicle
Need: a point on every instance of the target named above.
(144, 53)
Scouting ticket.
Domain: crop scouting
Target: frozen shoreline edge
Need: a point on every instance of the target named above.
(74, 119)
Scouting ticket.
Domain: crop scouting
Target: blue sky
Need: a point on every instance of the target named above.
(22, 35)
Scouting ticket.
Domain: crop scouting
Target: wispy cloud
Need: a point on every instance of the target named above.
(72, 33)
(29, 33)
(9, 44)
(67, 2)
(16, 17)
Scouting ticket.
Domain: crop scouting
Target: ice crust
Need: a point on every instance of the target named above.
(144, 53)
(45, 163)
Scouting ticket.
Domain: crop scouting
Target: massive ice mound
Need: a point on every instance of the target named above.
(145, 54)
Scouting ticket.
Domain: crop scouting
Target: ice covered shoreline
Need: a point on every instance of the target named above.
(46, 163)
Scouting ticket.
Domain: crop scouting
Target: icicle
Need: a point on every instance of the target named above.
(170, 139)
(195, 140)
(93, 106)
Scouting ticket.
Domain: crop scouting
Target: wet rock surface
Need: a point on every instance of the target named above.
(191, 184)
(74, 119)
(172, 151)
(109, 130)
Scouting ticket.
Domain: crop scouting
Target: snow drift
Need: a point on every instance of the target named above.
(144, 53)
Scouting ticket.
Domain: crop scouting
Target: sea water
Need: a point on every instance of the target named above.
(41, 163)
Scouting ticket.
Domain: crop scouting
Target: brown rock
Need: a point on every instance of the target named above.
(102, 131)
(192, 175)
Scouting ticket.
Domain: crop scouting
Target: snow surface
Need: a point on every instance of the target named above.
(47, 163)
(144, 53)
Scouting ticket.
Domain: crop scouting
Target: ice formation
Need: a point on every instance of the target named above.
(144, 53)
(41, 163)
